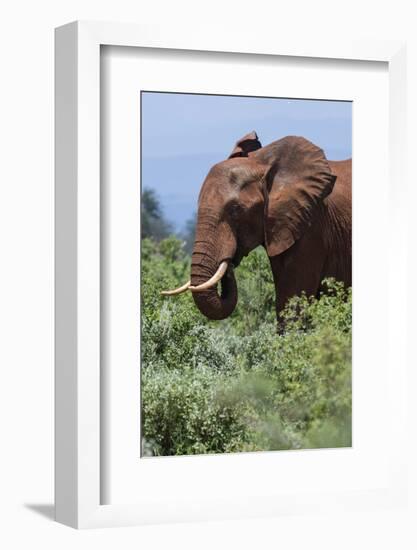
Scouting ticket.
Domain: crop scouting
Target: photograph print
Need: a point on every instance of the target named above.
(246, 274)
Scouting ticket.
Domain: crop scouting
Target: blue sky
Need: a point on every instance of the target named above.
(183, 135)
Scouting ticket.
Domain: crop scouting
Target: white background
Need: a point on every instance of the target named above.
(26, 275)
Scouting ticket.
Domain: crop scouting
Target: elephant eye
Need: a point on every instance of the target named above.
(234, 210)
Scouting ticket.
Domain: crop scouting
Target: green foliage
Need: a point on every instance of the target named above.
(154, 224)
(256, 294)
(189, 233)
(236, 385)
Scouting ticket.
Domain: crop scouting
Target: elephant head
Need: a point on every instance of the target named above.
(258, 196)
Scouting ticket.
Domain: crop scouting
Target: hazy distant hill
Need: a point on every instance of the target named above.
(177, 181)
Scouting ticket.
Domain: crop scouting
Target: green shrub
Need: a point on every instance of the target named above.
(235, 385)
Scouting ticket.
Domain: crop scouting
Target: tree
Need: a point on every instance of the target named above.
(189, 234)
(154, 224)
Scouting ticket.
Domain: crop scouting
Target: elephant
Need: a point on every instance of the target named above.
(285, 196)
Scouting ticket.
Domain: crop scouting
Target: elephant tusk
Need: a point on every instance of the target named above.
(213, 281)
(182, 288)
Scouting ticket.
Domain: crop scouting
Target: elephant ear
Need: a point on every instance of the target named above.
(246, 145)
(298, 180)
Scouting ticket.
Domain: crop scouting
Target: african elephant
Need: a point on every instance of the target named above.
(285, 196)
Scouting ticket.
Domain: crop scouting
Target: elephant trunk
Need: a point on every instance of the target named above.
(213, 305)
(210, 249)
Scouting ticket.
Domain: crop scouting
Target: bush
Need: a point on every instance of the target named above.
(235, 385)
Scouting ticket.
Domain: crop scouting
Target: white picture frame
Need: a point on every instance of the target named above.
(78, 265)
